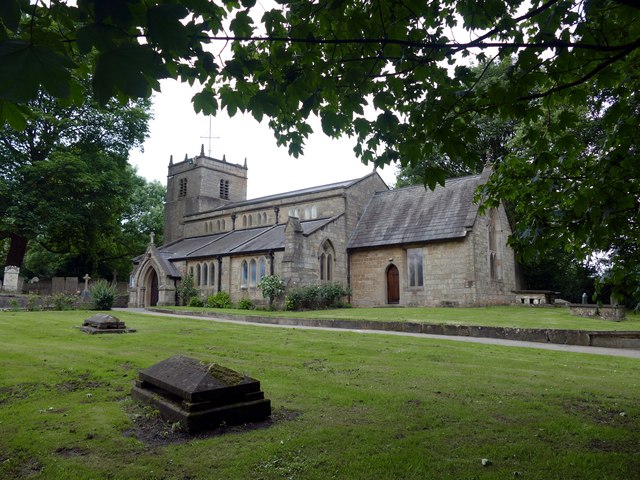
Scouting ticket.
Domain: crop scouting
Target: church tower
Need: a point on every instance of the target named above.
(197, 185)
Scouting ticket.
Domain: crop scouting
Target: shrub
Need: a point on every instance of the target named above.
(246, 304)
(61, 301)
(314, 297)
(186, 291)
(32, 302)
(103, 294)
(219, 300)
(196, 302)
(272, 287)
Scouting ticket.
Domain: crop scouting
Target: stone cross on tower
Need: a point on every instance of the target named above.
(152, 236)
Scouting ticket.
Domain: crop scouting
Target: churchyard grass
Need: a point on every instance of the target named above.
(497, 316)
(346, 405)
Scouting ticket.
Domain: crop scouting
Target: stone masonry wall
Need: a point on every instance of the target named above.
(500, 289)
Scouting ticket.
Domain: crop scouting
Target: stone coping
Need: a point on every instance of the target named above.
(609, 339)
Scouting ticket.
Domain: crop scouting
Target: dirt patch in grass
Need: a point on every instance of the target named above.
(82, 382)
(152, 430)
(21, 391)
(71, 452)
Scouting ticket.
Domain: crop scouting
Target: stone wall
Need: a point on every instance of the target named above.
(498, 290)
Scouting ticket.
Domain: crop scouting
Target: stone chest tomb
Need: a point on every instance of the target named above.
(104, 323)
(201, 396)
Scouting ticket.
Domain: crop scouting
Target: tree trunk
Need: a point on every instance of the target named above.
(17, 250)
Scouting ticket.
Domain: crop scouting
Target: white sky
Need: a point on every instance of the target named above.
(176, 130)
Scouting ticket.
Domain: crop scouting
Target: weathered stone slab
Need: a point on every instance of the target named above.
(201, 396)
(104, 323)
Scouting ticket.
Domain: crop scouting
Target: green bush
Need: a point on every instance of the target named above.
(103, 294)
(246, 304)
(272, 287)
(316, 297)
(219, 300)
(196, 302)
(32, 302)
(186, 291)
(61, 301)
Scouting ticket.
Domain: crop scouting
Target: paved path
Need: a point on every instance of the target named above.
(617, 352)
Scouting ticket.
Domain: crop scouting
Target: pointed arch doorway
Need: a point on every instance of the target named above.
(393, 285)
(153, 288)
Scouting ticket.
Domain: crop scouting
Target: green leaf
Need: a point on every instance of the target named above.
(34, 66)
(205, 102)
(241, 25)
(166, 29)
(10, 14)
(131, 70)
(14, 115)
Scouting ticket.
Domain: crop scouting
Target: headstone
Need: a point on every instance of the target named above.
(57, 285)
(201, 396)
(71, 285)
(104, 323)
(11, 279)
(584, 298)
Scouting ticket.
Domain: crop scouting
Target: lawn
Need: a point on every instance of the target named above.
(500, 316)
(345, 405)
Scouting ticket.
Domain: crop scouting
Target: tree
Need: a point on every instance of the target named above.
(392, 74)
(64, 179)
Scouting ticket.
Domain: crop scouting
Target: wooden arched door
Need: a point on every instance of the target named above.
(153, 284)
(393, 285)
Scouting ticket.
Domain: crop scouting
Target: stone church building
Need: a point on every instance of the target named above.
(409, 246)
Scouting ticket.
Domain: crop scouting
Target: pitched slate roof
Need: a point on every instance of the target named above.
(418, 215)
(237, 241)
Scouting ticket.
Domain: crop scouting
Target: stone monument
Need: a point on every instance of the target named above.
(201, 396)
(11, 279)
(104, 323)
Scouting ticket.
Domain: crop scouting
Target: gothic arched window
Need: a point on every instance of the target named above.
(252, 273)
(244, 273)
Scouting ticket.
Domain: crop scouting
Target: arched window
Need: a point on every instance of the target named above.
(244, 220)
(244, 274)
(414, 266)
(327, 256)
(493, 245)
(252, 273)
(191, 271)
(212, 274)
(206, 227)
(223, 227)
(198, 273)
(205, 275)
(314, 212)
(250, 220)
(264, 217)
(218, 225)
(262, 269)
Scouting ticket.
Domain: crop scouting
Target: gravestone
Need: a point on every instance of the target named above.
(57, 285)
(201, 396)
(104, 323)
(11, 279)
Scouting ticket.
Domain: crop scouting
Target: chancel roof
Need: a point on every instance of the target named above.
(418, 215)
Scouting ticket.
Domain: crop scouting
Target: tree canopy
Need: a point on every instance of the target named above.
(392, 74)
(66, 185)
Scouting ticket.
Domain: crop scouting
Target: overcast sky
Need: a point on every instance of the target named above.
(177, 130)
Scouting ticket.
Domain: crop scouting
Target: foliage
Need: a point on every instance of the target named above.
(395, 76)
(196, 302)
(60, 301)
(219, 300)
(272, 287)
(370, 407)
(185, 290)
(245, 304)
(67, 188)
(103, 294)
(315, 297)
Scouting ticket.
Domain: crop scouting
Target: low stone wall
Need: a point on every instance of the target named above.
(614, 313)
(539, 335)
